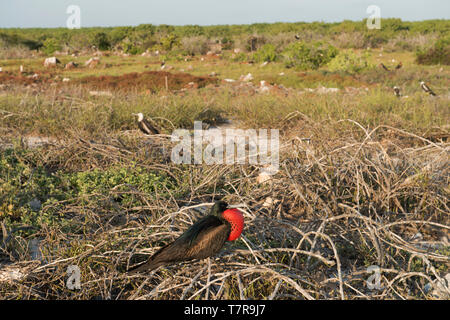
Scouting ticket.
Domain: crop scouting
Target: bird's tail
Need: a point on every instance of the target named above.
(146, 266)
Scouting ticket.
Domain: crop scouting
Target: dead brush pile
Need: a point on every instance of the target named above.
(149, 80)
(335, 208)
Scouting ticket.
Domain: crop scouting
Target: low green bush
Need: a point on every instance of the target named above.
(101, 41)
(305, 56)
(349, 62)
(438, 54)
(50, 46)
(266, 53)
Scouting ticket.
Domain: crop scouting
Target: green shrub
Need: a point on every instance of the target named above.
(266, 53)
(438, 54)
(349, 62)
(21, 181)
(252, 43)
(169, 41)
(118, 34)
(375, 39)
(227, 43)
(51, 45)
(306, 56)
(195, 45)
(131, 48)
(100, 40)
(127, 180)
(239, 57)
(14, 40)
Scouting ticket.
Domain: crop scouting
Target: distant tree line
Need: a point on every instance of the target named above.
(269, 37)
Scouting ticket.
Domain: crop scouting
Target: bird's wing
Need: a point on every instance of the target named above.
(168, 253)
(428, 89)
(202, 225)
(150, 128)
(209, 243)
(143, 128)
(203, 239)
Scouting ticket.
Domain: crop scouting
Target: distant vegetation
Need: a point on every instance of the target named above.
(268, 41)
(308, 56)
(349, 62)
(439, 53)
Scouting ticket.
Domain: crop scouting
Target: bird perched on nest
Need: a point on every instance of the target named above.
(397, 91)
(203, 239)
(426, 88)
(144, 125)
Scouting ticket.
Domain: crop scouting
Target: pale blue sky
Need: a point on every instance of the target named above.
(52, 13)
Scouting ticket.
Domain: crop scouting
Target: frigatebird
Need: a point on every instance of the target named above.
(426, 88)
(203, 239)
(384, 67)
(144, 125)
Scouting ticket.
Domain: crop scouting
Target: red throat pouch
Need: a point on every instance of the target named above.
(236, 219)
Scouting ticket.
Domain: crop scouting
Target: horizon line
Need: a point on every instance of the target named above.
(233, 24)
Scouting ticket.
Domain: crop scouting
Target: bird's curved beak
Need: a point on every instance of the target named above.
(237, 206)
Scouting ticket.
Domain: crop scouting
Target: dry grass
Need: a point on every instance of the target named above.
(337, 208)
(363, 180)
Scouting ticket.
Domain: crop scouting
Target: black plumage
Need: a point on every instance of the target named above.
(384, 67)
(203, 239)
(426, 88)
(145, 126)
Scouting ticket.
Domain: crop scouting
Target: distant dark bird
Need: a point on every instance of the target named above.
(384, 67)
(144, 125)
(297, 37)
(202, 240)
(426, 88)
(397, 91)
(399, 65)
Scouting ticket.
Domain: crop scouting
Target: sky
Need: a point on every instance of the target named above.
(52, 13)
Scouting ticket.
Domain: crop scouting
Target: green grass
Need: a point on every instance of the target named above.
(23, 180)
(97, 116)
